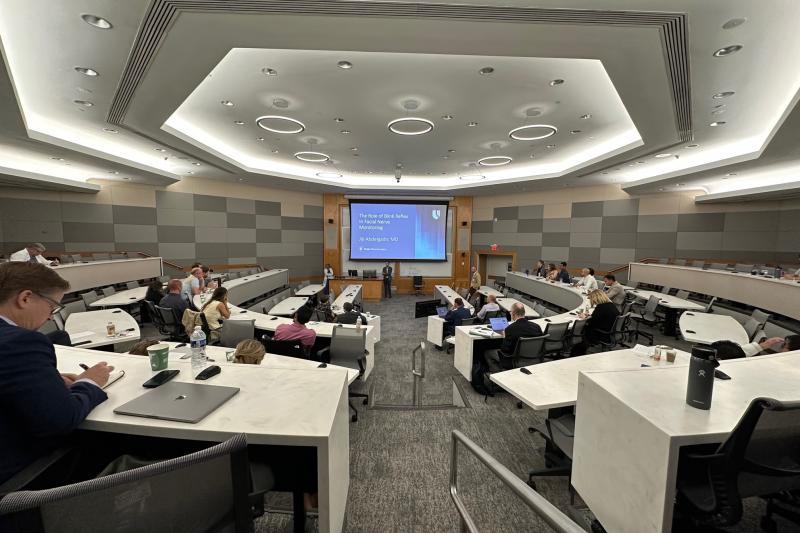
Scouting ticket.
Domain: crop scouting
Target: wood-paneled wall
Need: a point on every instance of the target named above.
(462, 212)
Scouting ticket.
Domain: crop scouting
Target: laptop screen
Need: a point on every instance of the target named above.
(498, 324)
(441, 311)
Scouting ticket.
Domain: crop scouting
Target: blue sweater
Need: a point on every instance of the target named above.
(36, 409)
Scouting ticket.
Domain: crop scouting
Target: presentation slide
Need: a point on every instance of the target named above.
(398, 231)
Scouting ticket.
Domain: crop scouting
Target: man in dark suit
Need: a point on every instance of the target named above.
(350, 315)
(455, 316)
(519, 327)
(563, 274)
(387, 280)
(38, 406)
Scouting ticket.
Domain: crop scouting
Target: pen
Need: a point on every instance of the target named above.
(85, 367)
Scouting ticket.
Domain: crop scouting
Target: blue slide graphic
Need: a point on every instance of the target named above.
(398, 231)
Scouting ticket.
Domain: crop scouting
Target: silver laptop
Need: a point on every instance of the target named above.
(181, 402)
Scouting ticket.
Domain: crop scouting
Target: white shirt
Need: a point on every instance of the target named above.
(797, 273)
(329, 273)
(589, 282)
(24, 257)
(751, 349)
(487, 308)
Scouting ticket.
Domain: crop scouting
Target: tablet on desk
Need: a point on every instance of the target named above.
(498, 324)
(441, 311)
(178, 401)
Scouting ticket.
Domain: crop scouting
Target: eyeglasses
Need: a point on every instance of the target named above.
(56, 306)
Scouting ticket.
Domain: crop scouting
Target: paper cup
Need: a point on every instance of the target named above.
(159, 356)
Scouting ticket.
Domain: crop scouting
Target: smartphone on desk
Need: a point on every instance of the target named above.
(160, 378)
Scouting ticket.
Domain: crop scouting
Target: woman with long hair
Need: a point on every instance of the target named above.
(216, 308)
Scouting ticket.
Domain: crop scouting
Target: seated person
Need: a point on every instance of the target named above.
(155, 292)
(174, 299)
(540, 270)
(32, 254)
(491, 306)
(587, 281)
(563, 274)
(297, 330)
(552, 272)
(324, 311)
(193, 284)
(731, 350)
(216, 308)
(249, 352)
(40, 406)
(140, 348)
(601, 319)
(519, 327)
(454, 317)
(350, 315)
(614, 290)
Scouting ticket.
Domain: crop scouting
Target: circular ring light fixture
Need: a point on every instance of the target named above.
(410, 126)
(97, 22)
(472, 177)
(494, 161)
(87, 71)
(279, 124)
(312, 157)
(532, 132)
(329, 175)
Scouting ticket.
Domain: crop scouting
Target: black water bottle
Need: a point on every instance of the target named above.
(700, 385)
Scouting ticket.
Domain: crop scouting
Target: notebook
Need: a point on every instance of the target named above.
(113, 378)
(178, 401)
(441, 311)
(498, 324)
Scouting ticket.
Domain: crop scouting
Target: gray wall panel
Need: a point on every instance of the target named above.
(88, 232)
(204, 202)
(704, 222)
(506, 213)
(126, 214)
(81, 212)
(587, 209)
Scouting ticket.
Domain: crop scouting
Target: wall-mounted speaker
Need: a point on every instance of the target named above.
(330, 221)
(463, 222)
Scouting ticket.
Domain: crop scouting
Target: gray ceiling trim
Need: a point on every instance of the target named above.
(162, 13)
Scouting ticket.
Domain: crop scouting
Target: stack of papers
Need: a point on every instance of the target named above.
(645, 351)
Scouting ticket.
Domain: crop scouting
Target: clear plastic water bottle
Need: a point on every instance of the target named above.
(358, 322)
(198, 342)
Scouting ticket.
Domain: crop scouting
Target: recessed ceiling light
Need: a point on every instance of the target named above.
(330, 175)
(239, 122)
(494, 161)
(110, 130)
(447, 117)
(410, 126)
(723, 94)
(661, 189)
(354, 148)
(486, 71)
(126, 178)
(445, 157)
(471, 124)
(87, 71)
(728, 50)
(83, 103)
(532, 132)
(189, 172)
(731, 174)
(260, 139)
(604, 173)
(113, 172)
(681, 184)
(159, 149)
(312, 157)
(587, 116)
(692, 145)
(57, 158)
(97, 22)
(733, 23)
(281, 103)
(550, 146)
(555, 82)
(196, 164)
(337, 119)
(269, 71)
(241, 179)
(345, 65)
(279, 124)
(451, 151)
(274, 151)
(640, 162)
(472, 177)
(718, 111)
(533, 155)
(227, 103)
(574, 132)
(718, 123)
(662, 156)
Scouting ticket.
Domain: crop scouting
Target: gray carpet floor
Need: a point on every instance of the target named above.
(400, 453)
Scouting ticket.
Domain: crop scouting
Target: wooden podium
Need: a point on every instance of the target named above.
(371, 288)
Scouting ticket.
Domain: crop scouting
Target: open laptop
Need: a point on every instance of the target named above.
(498, 324)
(181, 402)
(441, 311)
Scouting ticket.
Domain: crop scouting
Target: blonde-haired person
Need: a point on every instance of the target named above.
(249, 352)
(601, 320)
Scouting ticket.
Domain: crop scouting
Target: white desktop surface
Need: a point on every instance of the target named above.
(96, 321)
(555, 383)
(288, 306)
(242, 289)
(121, 298)
(350, 293)
(464, 348)
(82, 276)
(631, 424)
(505, 303)
(706, 328)
(277, 406)
(668, 301)
(449, 295)
(486, 291)
(309, 290)
(218, 354)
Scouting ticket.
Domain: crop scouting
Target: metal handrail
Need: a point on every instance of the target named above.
(421, 350)
(535, 501)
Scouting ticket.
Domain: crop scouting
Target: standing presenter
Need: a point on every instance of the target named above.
(387, 280)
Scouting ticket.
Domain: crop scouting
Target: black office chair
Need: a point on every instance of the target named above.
(614, 337)
(348, 349)
(145, 497)
(761, 457)
(287, 348)
(556, 344)
(558, 432)
(647, 316)
(419, 285)
(169, 323)
(527, 351)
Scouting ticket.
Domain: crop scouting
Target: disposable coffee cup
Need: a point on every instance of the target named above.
(159, 356)
(670, 356)
(230, 355)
